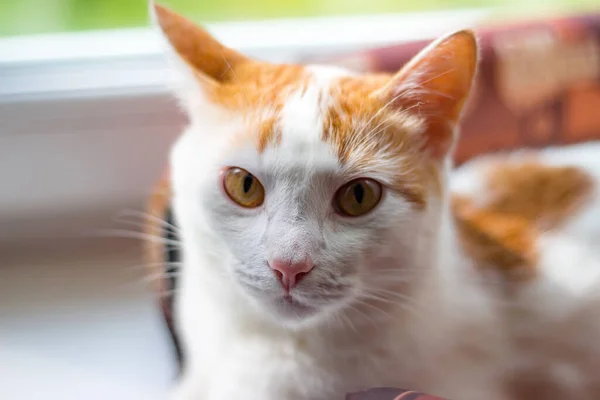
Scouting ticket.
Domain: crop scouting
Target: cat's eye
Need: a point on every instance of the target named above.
(243, 188)
(357, 197)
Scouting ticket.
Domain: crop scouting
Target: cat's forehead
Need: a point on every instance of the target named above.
(287, 106)
(285, 111)
(325, 119)
(303, 116)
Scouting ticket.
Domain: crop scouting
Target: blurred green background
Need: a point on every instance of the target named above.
(39, 16)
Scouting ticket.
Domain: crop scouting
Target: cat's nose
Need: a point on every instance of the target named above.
(288, 273)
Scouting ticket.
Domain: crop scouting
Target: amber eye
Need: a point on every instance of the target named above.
(243, 188)
(357, 197)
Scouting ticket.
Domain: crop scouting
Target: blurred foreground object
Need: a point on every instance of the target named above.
(390, 394)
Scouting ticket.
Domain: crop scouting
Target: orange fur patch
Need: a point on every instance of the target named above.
(157, 205)
(542, 194)
(253, 85)
(200, 50)
(493, 240)
(523, 199)
(268, 134)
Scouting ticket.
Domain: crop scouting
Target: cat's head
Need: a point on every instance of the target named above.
(310, 188)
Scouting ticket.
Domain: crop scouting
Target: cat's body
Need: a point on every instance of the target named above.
(323, 254)
(552, 315)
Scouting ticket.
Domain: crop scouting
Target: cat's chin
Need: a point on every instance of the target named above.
(291, 309)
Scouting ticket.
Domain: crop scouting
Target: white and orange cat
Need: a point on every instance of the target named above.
(323, 253)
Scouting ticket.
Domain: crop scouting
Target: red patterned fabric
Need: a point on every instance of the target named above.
(390, 394)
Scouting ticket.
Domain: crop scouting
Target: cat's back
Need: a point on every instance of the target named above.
(548, 198)
(533, 219)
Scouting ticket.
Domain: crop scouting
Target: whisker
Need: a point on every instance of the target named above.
(387, 280)
(374, 133)
(337, 323)
(246, 98)
(142, 226)
(393, 297)
(396, 277)
(383, 299)
(365, 315)
(147, 281)
(348, 321)
(389, 271)
(390, 293)
(124, 233)
(144, 218)
(413, 310)
(378, 309)
(143, 266)
(160, 275)
(382, 109)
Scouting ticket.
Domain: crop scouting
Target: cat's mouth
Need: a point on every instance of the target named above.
(289, 302)
(288, 298)
(293, 308)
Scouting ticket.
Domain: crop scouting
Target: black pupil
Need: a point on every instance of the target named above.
(359, 192)
(248, 180)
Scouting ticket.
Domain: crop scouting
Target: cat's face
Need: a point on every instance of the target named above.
(315, 186)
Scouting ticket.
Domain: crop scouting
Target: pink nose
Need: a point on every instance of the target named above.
(290, 274)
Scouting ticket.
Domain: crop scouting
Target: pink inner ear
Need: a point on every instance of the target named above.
(436, 84)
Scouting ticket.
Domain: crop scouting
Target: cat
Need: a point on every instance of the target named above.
(329, 247)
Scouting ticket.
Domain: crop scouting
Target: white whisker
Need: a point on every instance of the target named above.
(124, 233)
(159, 276)
(246, 98)
(414, 310)
(144, 219)
(154, 264)
(348, 321)
(373, 307)
(363, 314)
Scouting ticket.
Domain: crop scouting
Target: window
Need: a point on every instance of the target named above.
(42, 16)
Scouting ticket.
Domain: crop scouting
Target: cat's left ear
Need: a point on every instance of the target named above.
(204, 63)
(435, 85)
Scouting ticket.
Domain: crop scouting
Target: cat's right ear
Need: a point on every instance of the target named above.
(435, 86)
(202, 59)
